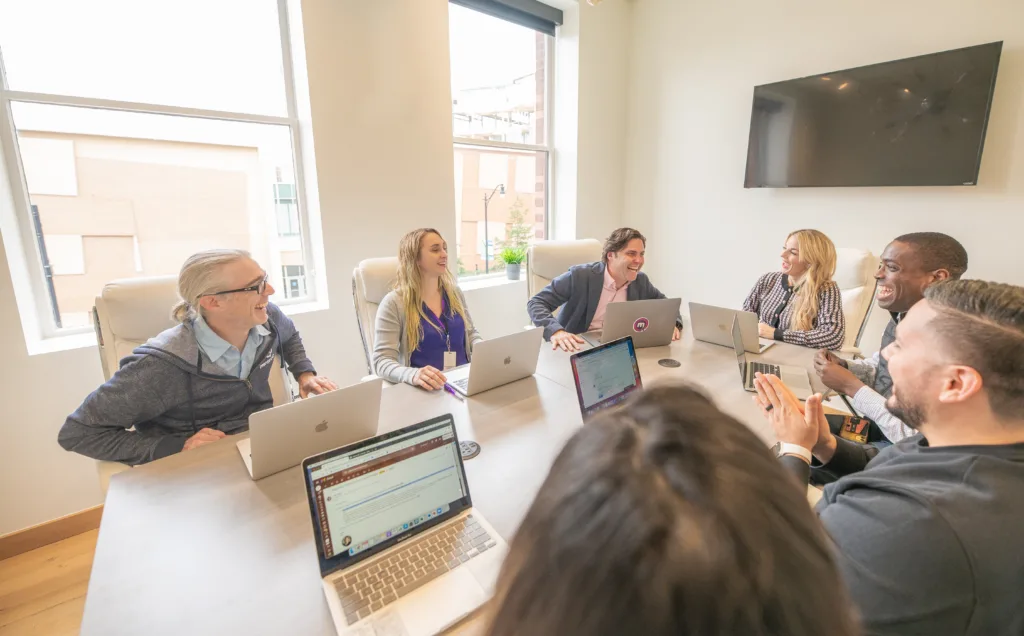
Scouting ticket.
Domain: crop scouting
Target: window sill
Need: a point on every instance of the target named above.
(483, 282)
(61, 343)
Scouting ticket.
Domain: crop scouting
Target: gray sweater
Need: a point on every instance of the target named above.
(168, 389)
(390, 349)
(929, 540)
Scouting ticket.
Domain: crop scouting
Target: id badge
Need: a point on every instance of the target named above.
(449, 360)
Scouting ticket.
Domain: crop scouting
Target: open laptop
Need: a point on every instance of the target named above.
(713, 324)
(498, 361)
(649, 322)
(401, 548)
(796, 378)
(281, 437)
(605, 375)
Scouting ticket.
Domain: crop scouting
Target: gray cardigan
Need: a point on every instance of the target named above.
(390, 349)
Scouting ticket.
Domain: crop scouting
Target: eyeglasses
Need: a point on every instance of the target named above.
(259, 288)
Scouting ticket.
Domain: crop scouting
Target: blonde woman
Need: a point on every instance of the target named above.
(801, 304)
(201, 379)
(423, 326)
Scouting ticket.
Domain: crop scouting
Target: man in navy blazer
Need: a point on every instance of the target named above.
(586, 290)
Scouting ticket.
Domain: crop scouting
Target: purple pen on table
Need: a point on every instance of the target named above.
(451, 389)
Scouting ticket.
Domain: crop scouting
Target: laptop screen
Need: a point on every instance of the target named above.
(605, 375)
(741, 353)
(371, 495)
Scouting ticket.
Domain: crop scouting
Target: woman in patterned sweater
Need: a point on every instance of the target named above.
(801, 304)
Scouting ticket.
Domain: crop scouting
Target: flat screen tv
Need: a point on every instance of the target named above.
(914, 122)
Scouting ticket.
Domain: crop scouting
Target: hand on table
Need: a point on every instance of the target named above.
(204, 436)
(429, 378)
(566, 341)
(765, 330)
(793, 423)
(315, 384)
(834, 373)
(677, 333)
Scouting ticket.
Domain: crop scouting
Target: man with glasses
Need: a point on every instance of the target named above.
(200, 380)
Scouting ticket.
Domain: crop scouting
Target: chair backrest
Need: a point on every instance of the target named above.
(371, 281)
(548, 259)
(131, 311)
(855, 271)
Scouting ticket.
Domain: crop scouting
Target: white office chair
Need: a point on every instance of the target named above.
(371, 281)
(547, 259)
(129, 312)
(855, 271)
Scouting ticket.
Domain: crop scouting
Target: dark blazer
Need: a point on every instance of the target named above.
(579, 289)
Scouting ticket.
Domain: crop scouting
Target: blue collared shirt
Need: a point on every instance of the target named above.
(435, 341)
(226, 356)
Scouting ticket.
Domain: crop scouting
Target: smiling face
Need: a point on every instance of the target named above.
(433, 257)
(240, 309)
(902, 279)
(625, 264)
(915, 367)
(791, 263)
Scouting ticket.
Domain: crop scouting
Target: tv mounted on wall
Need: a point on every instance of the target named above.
(914, 122)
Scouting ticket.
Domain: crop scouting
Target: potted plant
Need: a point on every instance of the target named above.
(513, 258)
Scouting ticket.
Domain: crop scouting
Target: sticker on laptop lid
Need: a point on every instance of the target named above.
(641, 324)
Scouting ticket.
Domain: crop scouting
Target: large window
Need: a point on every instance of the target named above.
(500, 118)
(138, 134)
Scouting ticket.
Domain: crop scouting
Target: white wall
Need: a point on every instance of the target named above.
(693, 66)
(379, 98)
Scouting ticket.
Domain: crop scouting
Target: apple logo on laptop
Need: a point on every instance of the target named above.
(321, 427)
(508, 360)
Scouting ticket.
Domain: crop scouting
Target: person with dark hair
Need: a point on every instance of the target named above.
(669, 517)
(908, 266)
(585, 291)
(928, 530)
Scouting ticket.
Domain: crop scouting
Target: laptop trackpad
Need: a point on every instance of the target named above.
(441, 603)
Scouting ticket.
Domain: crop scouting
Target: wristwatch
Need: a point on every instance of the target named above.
(782, 448)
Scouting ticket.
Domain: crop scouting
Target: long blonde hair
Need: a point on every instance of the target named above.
(200, 275)
(408, 283)
(819, 253)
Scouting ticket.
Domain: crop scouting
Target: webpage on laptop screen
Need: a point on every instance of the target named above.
(378, 492)
(607, 377)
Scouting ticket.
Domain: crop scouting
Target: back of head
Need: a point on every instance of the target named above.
(669, 517)
(936, 251)
(981, 325)
(618, 240)
(818, 251)
(200, 275)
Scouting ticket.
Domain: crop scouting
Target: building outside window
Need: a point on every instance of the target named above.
(500, 119)
(294, 277)
(135, 161)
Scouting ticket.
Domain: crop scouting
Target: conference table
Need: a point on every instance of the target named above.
(190, 544)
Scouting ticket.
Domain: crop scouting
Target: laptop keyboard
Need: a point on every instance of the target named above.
(764, 369)
(371, 588)
(462, 383)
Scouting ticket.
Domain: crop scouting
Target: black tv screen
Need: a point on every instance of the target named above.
(914, 122)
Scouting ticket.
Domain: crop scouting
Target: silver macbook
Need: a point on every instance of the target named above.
(281, 437)
(498, 361)
(401, 548)
(795, 378)
(713, 324)
(649, 323)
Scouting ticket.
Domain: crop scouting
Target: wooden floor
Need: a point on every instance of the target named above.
(43, 591)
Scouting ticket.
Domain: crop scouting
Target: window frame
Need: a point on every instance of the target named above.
(30, 254)
(548, 147)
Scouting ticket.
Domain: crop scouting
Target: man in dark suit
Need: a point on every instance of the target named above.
(585, 291)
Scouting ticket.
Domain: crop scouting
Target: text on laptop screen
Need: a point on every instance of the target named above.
(606, 376)
(378, 492)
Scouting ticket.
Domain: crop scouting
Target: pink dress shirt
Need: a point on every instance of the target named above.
(608, 295)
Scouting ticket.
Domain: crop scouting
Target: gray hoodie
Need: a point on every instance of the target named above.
(168, 390)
